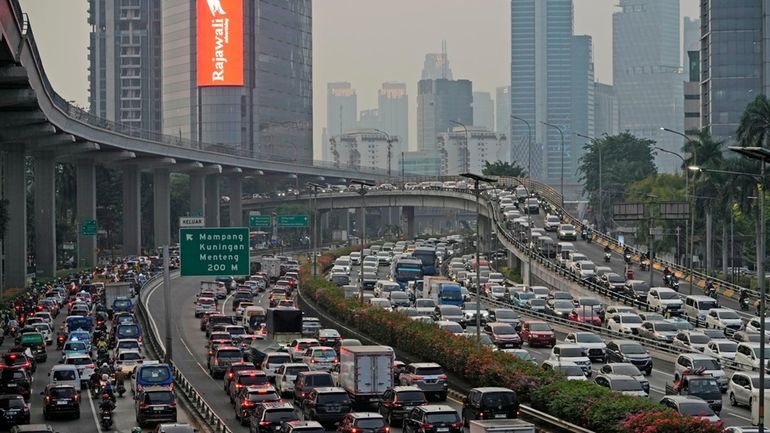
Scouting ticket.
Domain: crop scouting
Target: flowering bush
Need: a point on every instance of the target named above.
(668, 422)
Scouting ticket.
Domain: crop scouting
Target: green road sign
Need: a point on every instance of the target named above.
(88, 228)
(259, 220)
(214, 251)
(292, 220)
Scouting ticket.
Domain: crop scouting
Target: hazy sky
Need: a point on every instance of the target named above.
(365, 42)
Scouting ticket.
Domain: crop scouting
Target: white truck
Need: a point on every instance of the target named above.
(120, 292)
(366, 371)
(271, 266)
(501, 426)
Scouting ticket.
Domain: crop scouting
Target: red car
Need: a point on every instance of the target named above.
(537, 333)
(587, 316)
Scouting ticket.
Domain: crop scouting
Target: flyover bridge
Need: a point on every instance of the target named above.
(36, 121)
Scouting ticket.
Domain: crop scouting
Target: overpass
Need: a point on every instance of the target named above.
(36, 121)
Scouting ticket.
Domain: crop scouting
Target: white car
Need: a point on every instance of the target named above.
(286, 375)
(570, 370)
(355, 257)
(497, 292)
(571, 353)
(692, 340)
(723, 350)
(128, 359)
(697, 362)
(725, 319)
(743, 387)
(496, 278)
(747, 355)
(753, 325)
(297, 348)
(586, 269)
(46, 331)
(663, 298)
(126, 343)
(84, 364)
(594, 346)
(627, 323)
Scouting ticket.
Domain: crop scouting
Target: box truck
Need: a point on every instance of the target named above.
(366, 371)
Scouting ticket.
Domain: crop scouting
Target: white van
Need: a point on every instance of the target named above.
(61, 374)
(252, 311)
(698, 306)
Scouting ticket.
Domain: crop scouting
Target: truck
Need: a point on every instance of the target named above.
(442, 290)
(366, 372)
(701, 386)
(118, 296)
(283, 324)
(270, 265)
(501, 426)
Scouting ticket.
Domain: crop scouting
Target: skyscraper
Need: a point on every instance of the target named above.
(124, 62)
(393, 103)
(691, 33)
(583, 116)
(438, 102)
(732, 63)
(543, 89)
(341, 112)
(483, 110)
(436, 65)
(606, 115)
(647, 74)
(503, 110)
(369, 119)
(239, 76)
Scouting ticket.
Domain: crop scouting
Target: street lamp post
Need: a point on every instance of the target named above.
(362, 192)
(561, 175)
(601, 215)
(529, 144)
(466, 156)
(315, 187)
(763, 155)
(476, 179)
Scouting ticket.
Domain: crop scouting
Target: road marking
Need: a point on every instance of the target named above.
(152, 319)
(193, 355)
(227, 298)
(95, 413)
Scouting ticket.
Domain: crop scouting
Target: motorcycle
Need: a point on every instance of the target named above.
(121, 389)
(644, 265)
(744, 303)
(105, 418)
(584, 234)
(60, 342)
(627, 257)
(607, 257)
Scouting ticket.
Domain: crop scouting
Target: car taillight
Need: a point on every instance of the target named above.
(518, 413)
(481, 415)
(230, 375)
(172, 405)
(458, 424)
(425, 425)
(442, 377)
(416, 377)
(354, 430)
(143, 405)
(247, 403)
(238, 386)
(265, 423)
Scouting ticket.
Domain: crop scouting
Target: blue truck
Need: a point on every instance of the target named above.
(442, 290)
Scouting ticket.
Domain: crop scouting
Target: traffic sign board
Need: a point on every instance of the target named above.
(214, 251)
(192, 221)
(292, 220)
(259, 221)
(88, 228)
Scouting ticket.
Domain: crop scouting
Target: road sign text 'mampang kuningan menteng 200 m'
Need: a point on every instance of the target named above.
(214, 251)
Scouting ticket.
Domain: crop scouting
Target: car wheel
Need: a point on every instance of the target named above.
(733, 401)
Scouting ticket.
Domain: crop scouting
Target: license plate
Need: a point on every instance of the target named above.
(61, 403)
(443, 429)
(333, 409)
(499, 415)
(12, 385)
(157, 409)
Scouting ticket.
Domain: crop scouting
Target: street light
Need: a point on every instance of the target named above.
(529, 144)
(561, 133)
(764, 156)
(476, 178)
(315, 187)
(601, 204)
(362, 191)
(466, 156)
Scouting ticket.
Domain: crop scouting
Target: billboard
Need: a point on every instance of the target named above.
(220, 42)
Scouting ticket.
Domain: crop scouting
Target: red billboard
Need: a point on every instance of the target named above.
(220, 42)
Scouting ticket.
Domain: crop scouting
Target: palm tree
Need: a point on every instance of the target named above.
(754, 129)
(703, 150)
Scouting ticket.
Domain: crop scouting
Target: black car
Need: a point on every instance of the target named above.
(235, 367)
(363, 422)
(268, 417)
(432, 418)
(307, 380)
(326, 404)
(14, 410)
(490, 402)
(396, 402)
(241, 296)
(15, 381)
(155, 404)
(629, 351)
(18, 360)
(61, 400)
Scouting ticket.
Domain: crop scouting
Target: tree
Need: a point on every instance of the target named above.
(651, 191)
(615, 162)
(500, 168)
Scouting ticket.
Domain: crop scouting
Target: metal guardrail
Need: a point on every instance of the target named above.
(203, 410)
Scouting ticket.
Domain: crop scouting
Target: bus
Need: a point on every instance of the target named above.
(427, 256)
(404, 270)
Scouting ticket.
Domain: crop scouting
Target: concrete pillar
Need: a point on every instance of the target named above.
(407, 219)
(323, 226)
(485, 226)
(526, 274)
(236, 203)
(212, 200)
(197, 194)
(132, 210)
(45, 215)
(16, 230)
(513, 262)
(161, 206)
(85, 175)
(709, 243)
(360, 221)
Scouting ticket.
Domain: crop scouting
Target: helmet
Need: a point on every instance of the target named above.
(104, 365)
(105, 377)
(136, 430)
(105, 397)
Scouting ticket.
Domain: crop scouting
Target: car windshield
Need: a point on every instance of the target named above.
(588, 338)
(630, 319)
(569, 370)
(522, 354)
(11, 403)
(572, 352)
(429, 371)
(626, 370)
(626, 385)
(424, 303)
(767, 352)
(155, 374)
(411, 396)
(333, 397)
(64, 375)
(294, 369)
(706, 364)
(505, 314)
(75, 346)
(229, 354)
(703, 386)
(128, 330)
(536, 302)
(63, 392)
(450, 310)
(563, 305)
(121, 303)
(665, 327)
(263, 395)
(589, 302)
(255, 379)
(324, 354)
(280, 415)
(539, 327)
(632, 349)
(471, 306)
(524, 296)
(497, 399)
(408, 273)
(727, 347)
(451, 295)
(442, 417)
(79, 361)
(278, 359)
(665, 294)
(454, 328)
(159, 397)
(504, 330)
(755, 383)
(699, 338)
(728, 315)
(371, 423)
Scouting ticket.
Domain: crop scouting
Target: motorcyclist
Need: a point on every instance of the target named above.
(107, 387)
(105, 369)
(96, 379)
(666, 274)
(101, 344)
(743, 299)
(107, 404)
(607, 249)
(120, 377)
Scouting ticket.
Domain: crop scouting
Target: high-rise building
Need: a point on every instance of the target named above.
(439, 102)
(124, 62)
(341, 112)
(369, 119)
(543, 88)
(606, 115)
(691, 33)
(733, 66)
(583, 115)
(467, 152)
(436, 65)
(420, 164)
(692, 106)
(647, 74)
(393, 104)
(483, 110)
(239, 74)
(503, 110)
(363, 149)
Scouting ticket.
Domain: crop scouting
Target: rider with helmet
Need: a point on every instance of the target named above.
(107, 404)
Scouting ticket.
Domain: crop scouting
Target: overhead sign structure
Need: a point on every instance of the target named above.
(220, 42)
(214, 251)
(292, 220)
(628, 211)
(259, 221)
(192, 221)
(88, 228)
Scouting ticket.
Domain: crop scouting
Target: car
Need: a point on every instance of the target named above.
(571, 353)
(363, 422)
(536, 332)
(570, 370)
(747, 355)
(428, 376)
(503, 335)
(626, 369)
(205, 305)
(298, 347)
(15, 410)
(328, 337)
(248, 397)
(623, 384)
(724, 318)
(268, 417)
(285, 376)
(326, 404)
(743, 387)
(504, 315)
(690, 406)
(560, 308)
(127, 360)
(433, 418)
(520, 298)
(61, 400)
(64, 375)
(753, 324)
(490, 403)
(658, 330)
(221, 358)
(585, 315)
(626, 323)
(723, 350)
(567, 232)
(613, 282)
(15, 381)
(307, 380)
(174, 428)
(301, 427)
(397, 401)
(551, 223)
(320, 358)
(594, 346)
(687, 362)
(691, 340)
(246, 378)
(155, 404)
(663, 299)
(234, 368)
(629, 351)
(585, 269)
(636, 289)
